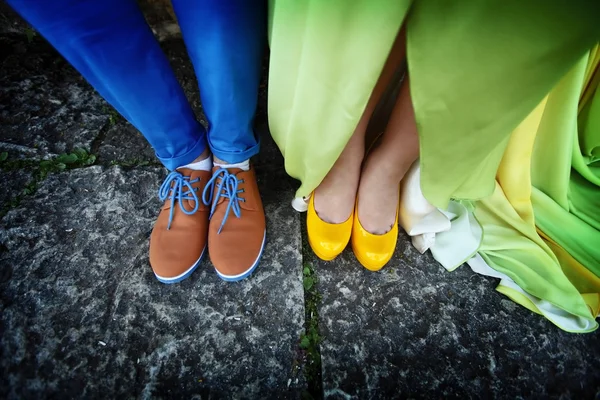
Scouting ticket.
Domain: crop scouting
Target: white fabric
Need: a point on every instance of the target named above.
(203, 165)
(457, 245)
(244, 165)
(423, 242)
(300, 204)
(416, 216)
(454, 237)
(558, 316)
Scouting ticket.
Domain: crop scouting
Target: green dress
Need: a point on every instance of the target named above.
(477, 69)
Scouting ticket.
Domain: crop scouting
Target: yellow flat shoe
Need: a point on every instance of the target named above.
(326, 240)
(373, 251)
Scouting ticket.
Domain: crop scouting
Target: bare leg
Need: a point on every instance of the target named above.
(336, 195)
(386, 165)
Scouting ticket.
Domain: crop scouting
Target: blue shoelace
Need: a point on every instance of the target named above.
(227, 187)
(173, 188)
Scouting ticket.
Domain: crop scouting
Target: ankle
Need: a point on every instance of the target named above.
(201, 163)
(243, 165)
(205, 154)
(335, 197)
(393, 164)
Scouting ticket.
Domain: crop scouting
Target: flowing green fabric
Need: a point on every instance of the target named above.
(538, 186)
(508, 114)
(477, 69)
(539, 231)
(326, 57)
(566, 175)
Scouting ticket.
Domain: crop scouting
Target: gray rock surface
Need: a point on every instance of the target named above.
(269, 155)
(46, 107)
(83, 316)
(414, 330)
(12, 183)
(10, 23)
(124, 144)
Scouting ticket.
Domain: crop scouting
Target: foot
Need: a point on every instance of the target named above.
(237, 228)
(334, 198)
(179, 237)
(378, 194)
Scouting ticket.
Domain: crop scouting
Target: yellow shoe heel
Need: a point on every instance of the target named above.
(373, 251)
(327, 240)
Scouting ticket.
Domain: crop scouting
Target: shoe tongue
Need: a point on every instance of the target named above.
(233, 171)
(192, 174)
(184, 171)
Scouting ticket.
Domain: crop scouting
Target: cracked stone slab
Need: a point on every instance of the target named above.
(123, 143)
(415, 330)
(269, 154)
(82, 315)
(46, 106)
(10, 22)
(12, 184)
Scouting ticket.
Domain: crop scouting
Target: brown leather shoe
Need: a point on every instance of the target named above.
(178, 239)
(237, 229)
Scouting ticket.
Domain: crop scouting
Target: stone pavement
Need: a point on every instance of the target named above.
(83, 317)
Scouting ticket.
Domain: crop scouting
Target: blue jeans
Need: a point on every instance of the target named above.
(111, 45)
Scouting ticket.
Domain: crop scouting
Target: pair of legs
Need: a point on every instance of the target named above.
(376, 178)
(111, 45)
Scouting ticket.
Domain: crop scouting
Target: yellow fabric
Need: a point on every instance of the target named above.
(512, 243)
(593, 302)
(583, 279)
(519, 298)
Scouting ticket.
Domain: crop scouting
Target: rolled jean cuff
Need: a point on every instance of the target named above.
(233, 157)
(172, 163)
